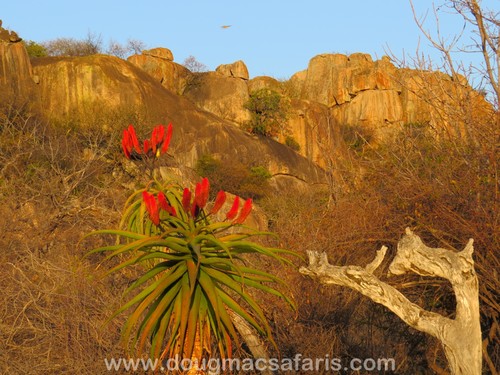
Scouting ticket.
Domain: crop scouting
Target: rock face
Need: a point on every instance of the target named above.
(75, 84)
(16, 74)
(221, 95)
(70, 85)
(161, 53)
(263, 82)
(237, 69)
(335, 79)
(377, 95)
(311, 126)
(158, 62)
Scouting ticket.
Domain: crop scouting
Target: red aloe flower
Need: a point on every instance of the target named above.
(166, 139)
(133, 139)
(162, 200)
(155, 146)
(186, 199)
(147, 146)
(245, 211)
(153, 140)
(126, 144)
(201, 193)
(157, 137)
(151, 207)
(172, 211)
(234, 209)
(219, 201)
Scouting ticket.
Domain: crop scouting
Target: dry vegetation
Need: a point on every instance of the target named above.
(60, 182)
(55, 185)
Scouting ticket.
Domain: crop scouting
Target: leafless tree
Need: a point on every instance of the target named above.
(194, 65)
(484, 25)
(132, 47)
(91, 45)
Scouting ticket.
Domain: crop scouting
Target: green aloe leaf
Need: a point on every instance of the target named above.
(193, 277)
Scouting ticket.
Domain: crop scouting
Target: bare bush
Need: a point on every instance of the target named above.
(91, 45)
(194, 65)
(132, 47)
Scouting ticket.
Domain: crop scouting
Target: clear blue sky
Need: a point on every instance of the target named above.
(275, 38)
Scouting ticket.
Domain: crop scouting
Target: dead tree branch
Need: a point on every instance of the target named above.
(460, 337)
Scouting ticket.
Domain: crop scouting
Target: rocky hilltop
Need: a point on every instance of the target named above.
(334, 92)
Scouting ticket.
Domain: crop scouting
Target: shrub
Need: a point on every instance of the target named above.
(292, 143)
(133, 46)
(34, 49)
(291, 88)
(260, 172)
(357, 137)
(74, 47)
(194, 65)
(235, 177)
(268, 113)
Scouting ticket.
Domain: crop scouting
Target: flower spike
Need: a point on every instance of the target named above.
(201, 193)
(234, 209)
(162, 200)
(166, 139)
(154, 146)
(186, 199)
(133, 139)
(219, 202)
(151, 207)
(126, 144)
(245, 211)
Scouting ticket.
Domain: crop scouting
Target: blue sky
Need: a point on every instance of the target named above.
(275, 38)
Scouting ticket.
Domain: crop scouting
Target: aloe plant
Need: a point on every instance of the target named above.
(194, 270)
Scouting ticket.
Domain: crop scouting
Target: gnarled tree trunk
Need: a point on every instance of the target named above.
(460, 337)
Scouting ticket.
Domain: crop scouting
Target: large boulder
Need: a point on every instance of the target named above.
(335, 79)
(381, 97)
(237, 69)
(437, 99)
(325, 80)
(158, 62)
(78, 84)
(379, 111)
(221, 95)
(264, 82)
(160, 52)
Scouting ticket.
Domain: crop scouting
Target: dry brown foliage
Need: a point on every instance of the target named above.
(60, 182)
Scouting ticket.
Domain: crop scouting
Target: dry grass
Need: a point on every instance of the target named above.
(55, 186)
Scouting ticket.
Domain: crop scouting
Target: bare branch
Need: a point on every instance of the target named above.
(461, 337)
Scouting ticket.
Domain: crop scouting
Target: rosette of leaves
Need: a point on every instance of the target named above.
(194, 272)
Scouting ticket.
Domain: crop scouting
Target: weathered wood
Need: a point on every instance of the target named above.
(460, 337)
(252, 339)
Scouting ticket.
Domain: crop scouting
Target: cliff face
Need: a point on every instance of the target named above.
(16, 75)
(380, 97)
(224, 96)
